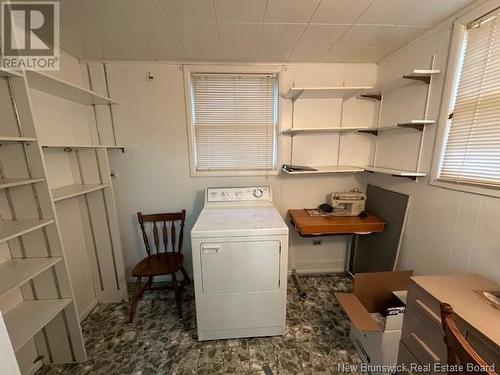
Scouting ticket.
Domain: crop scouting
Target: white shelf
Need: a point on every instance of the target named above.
(11, 182)
(70, 147)
(395, 172)
(422, 76)
(9, 73)
(115, 147)
(412, 124)
(324, 130)
(29, 317)
(15, 228)
(328, 169)
(16, 272)
(66, 90)
(71, 191)
(16, 139)
(325, 92)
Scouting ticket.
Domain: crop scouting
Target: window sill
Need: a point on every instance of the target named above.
(467, 188)
(233, 173)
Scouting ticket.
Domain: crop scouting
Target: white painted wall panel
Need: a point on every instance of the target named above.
(447, 231)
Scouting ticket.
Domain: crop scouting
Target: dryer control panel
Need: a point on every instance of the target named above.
(239, 194)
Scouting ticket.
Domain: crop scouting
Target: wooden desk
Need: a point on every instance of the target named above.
(310, 226)
(320, 226)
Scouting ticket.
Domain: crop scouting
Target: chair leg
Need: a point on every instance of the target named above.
(177, 292)
(137, 295)
(148, 285)
(186, 280)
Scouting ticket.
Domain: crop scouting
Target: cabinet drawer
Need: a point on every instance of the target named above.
(484, 348)
(418, 296)
(406, 358)
(424, 342)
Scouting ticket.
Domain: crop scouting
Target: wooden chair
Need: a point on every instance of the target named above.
(160, 263)
(460, 352)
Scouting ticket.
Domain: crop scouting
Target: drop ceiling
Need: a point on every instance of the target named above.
(247, 30)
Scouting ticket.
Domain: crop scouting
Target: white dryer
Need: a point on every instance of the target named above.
(240, 260)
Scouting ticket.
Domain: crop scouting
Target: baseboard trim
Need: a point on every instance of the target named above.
(317, 267)
(87, 311)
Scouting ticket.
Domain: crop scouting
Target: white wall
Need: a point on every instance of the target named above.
(153, 174)
(447, 231)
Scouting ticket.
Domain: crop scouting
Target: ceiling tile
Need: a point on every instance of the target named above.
(388, 12)
(316, 41)
(339, 11)
(379, 36)
(200, 39)
(145, 11)
(240, 40)
(290, 11)
(356, 55)
(189, 10)
(433, 12)
(240, 10)
(278, 40)
(132, 41)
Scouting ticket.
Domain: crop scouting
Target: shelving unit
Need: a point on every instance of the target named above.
(325, 92)
(16, 272)
(30, 317)
(412, 124)
(414, 76)
(72, 191)
(35, 291)
(415, 140)
(327, 170)
(294, 131)
(66, 90)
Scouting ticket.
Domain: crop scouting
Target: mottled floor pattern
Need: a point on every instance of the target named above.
(316, 338)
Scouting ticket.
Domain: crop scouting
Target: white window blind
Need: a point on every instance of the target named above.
(471, 152)
(235, 121)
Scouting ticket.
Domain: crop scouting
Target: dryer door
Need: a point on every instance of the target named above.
(240, 266)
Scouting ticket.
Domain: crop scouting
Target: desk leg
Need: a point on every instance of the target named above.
(298, 284)
(352, 254)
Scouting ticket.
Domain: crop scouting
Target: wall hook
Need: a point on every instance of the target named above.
(150, 77)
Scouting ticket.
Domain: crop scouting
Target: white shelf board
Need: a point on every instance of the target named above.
(29, 317)
(395, 172)
(115, 147)
(11, 182)
(72, 146)
(9, 73)
(324, 130)
(66, 90)
(16, 272)
(328, 169)
(16, 139)
(14, 228)
(419, 76)
(71, 191)
(325, 92)
(412, 124)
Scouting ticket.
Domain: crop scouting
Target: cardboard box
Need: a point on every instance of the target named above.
(384, 293)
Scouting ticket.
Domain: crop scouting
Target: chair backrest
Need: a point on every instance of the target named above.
(163, 221)
(460, 352)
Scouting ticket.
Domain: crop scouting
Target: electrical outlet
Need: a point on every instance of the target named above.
(316, 242)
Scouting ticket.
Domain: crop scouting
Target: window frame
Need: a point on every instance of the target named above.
(448, 101)
(232, 69)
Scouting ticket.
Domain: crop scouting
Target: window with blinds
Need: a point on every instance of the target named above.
(235, 121)
(471, 152)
